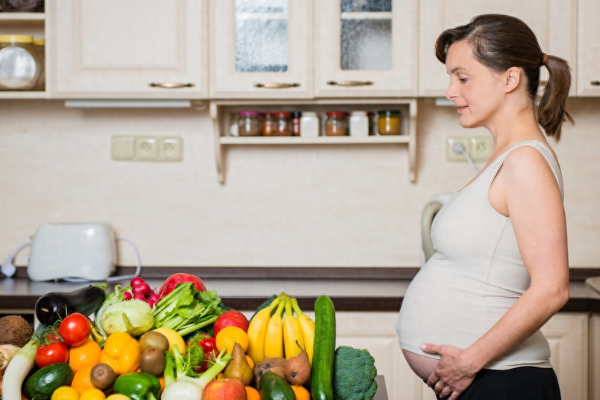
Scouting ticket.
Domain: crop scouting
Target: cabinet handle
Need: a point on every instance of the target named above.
(171, 85)
(595, 83)
(350, 83)
(276, 85)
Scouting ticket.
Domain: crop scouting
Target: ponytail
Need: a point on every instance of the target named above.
(552, 111)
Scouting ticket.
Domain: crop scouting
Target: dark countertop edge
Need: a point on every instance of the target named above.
(337, 273)
(367, 304)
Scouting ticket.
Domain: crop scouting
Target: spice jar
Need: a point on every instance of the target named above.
(389, 122)
(268, 126)
(20, 66)
(296, 117)
(359, 123)
(336, 124)
(309, 124)
(40, 47)
(248, 123)
(283, 124)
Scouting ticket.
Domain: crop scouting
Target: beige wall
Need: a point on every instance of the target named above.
(280, 206)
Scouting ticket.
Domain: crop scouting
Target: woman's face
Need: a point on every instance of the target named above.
(477, 92)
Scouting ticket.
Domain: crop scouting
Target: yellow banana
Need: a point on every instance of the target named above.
(274, 333)
(308, 330)
(256, 332)
(292, 332)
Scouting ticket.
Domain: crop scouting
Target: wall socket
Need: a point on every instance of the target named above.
(479, 148)
(147, 148)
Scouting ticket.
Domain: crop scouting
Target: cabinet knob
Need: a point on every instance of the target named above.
(276, 85)
(595, 83)
(170, 85)
(350, 83)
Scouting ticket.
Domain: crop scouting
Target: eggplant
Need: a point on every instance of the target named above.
(57, 305)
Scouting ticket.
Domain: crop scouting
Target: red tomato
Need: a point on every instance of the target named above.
(53, 338)
(51, 354)
(209, 347)
(74, 329)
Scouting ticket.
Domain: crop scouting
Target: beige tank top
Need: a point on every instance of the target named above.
(475, 276)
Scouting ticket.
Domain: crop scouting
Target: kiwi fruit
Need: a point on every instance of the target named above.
(102, 376)
(152, 361)
(154, 340)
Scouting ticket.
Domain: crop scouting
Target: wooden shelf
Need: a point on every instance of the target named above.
(269, 140)
(22, 16)
(14, 94)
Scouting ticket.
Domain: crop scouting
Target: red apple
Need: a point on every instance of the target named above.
(230, 318)
(171, 282)
(224, 389)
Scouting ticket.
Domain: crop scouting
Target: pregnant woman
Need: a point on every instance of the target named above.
(469, 323)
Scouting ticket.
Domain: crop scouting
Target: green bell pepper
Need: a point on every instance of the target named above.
(138, 386)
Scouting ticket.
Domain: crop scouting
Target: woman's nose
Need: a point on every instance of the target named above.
(450, 93)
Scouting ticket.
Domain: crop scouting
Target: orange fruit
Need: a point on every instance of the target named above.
(250, 362)
(301, 392)
(252, 394)
(85, 355)
(82, 381)
(229, 336)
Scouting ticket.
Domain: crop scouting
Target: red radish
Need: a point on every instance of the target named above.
(145, 289)
(138, 280)
(127, 295)
(150, 302)
(139, 296)
(153, 297)
(230, 318)
(171, 282)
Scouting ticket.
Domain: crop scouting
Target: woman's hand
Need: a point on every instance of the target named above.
(454, 372)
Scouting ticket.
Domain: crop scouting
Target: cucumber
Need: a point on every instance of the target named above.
(46, 380)
(274, 387)
(324, 350)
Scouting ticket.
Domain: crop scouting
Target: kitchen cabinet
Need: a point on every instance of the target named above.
(588, 54)
(553, 21)
(261, 49)
(366, 48)
(128, 49)
(594, 358)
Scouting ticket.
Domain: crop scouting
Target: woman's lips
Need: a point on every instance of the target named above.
(461, 109)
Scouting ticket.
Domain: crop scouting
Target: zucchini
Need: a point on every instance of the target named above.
(57, 305)
(45, 381)
(274, 387)
(324, 350)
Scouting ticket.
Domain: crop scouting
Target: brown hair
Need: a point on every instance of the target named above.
(501, 42)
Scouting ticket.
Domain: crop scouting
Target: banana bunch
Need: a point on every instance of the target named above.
(273, 334)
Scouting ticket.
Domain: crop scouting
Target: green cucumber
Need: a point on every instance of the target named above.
(274, 387)
(324, 350)
(46, 380)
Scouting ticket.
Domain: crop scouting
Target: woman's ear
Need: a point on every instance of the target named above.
(513, 78)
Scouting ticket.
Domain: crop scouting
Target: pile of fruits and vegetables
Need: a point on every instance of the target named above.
(178, 342)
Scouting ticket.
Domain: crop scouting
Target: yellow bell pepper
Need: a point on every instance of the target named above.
(121, 352)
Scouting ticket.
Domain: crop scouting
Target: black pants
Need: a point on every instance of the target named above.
(523, 383)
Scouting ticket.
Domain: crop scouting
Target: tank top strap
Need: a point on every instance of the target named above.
(544, 151)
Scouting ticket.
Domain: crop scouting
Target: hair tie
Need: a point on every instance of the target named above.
(544, 58)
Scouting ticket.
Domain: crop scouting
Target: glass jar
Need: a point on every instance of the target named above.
(296, 117)
(22, 5)
(389, 122)
(283, 124)
(248, 123)
(268, 126)
(359, 123)
(20, 66)
(40, 47)
(336, 124)
(309, 124)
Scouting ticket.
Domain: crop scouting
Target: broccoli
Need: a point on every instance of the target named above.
(353, 374)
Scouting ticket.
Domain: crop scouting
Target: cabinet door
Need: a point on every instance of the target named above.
(129, 49)
(588, 60)
(553, 22)
(261, 49)
(366, 48)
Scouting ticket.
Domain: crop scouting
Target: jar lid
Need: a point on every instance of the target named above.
(248, 113)
(283, 114)
(336, 113)
(39, 42)
(296, 114)
(24, 39)
(359, 113)
(388, 113)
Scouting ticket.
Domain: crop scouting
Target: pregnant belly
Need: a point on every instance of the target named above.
(421, 365)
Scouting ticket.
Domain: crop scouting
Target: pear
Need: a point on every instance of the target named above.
(238, 367)
(297, 369)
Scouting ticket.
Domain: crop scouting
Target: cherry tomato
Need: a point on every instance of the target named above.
(74, 329)
(51, 354)
(53, 338)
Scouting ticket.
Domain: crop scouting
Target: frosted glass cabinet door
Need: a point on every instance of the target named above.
(366, 48)
(129, 49)
(588, 83)
(552, 21)
(261, 49)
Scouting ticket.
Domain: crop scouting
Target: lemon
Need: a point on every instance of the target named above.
(65, 393)
(173, 337)
(92, 394)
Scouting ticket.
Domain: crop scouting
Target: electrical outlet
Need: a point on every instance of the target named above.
(170, 148)
(451, 155)
(146, 148)
(481, 148)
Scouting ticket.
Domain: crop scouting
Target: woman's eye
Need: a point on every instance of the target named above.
(462, 80)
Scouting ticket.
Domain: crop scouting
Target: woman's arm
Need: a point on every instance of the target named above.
(526, 191)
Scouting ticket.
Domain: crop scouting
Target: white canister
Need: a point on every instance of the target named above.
(309, 124)
(359, 123)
